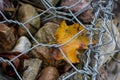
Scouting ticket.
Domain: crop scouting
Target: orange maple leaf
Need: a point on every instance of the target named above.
(66, 32)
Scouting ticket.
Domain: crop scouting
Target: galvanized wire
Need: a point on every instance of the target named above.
(101, 10)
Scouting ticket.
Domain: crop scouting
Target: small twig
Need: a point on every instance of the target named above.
(9, 9)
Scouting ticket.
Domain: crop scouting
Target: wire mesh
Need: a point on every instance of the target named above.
(102, 9)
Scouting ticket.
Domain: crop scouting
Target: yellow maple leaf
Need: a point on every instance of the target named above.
(66, 32)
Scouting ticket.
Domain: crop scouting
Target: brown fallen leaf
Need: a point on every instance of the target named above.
(66, 32)
(7, 68)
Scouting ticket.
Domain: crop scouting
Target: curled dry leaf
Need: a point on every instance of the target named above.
(7, 68)
(66, 32)
(4, 76)
(8, 9)
(49, 73)
(8, 53)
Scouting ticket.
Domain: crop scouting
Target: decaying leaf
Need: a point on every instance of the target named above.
(66, 32)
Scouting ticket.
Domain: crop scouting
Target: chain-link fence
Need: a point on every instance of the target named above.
(102, 9)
